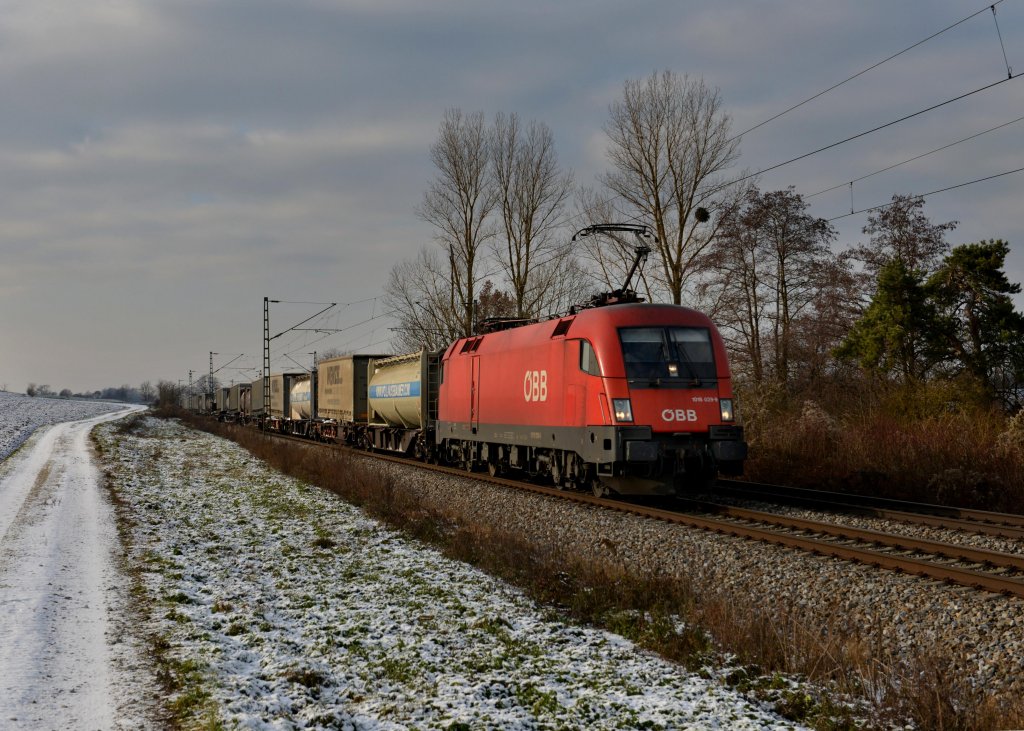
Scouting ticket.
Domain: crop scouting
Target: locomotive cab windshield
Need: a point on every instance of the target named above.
(674, 357)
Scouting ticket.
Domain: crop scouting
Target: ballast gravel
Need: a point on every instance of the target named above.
(901, 618)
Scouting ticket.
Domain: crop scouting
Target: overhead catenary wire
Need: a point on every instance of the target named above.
(878, 128)
(875, 66)
(933, 192)
(1009, 77)
(912, 159)
(862, 134)
(326, 335)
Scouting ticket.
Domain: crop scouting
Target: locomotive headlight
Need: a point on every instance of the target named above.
(622, 409)
(725, 405)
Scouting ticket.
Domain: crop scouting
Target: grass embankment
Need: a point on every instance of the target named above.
(766, 647)
(186, 702)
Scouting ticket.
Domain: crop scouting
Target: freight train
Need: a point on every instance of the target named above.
(618, 397)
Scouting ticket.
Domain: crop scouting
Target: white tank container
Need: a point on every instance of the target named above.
(300, 404)
(395, 391)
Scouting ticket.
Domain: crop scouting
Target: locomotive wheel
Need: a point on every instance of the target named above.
(493, 468)
(556, 474)
(599, 488)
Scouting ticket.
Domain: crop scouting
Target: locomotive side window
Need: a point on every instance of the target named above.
(588, 359)
(668, 356)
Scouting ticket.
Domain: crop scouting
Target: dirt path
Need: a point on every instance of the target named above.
(64, 660)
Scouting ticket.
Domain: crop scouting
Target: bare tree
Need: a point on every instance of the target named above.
(776, 276)
(419, 293)
(670, 147)
(494, 303)
(147, 393)
(168, 396)
(459, 202)
(819, 330)
(531, 191)
(204, 384)
(329, 353)
(901, 232)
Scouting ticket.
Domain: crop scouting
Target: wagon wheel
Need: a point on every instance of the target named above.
(599, 488)
(493, 468)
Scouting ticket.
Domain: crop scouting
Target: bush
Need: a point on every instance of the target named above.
(940, 442)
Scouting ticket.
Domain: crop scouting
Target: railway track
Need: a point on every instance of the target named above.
(992, 571)
(1003, 525)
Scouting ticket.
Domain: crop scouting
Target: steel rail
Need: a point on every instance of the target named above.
(1005, 525)
(891, 540)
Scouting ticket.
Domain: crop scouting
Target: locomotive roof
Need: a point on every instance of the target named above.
(623, 315)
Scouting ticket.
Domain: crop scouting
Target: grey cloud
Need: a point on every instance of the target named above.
(167, 164)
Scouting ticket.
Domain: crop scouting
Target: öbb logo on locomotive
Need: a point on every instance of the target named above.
(679, 415)
(535, 385)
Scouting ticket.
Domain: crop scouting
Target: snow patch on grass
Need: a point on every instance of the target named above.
(288, 608)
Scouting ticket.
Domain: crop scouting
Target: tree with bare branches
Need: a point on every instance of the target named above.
(901, 232)
(420, 294)
(774, 275)
(670, 150)
(459, 203)
(531, 190)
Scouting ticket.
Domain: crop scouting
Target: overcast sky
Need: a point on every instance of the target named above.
(165, 164)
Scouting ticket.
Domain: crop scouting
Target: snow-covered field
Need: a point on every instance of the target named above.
(295, 610)
(21, 415)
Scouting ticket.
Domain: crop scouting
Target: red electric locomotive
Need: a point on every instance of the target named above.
(626, 398)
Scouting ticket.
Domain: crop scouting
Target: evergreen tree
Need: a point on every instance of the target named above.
(983, 333)
(897, 334)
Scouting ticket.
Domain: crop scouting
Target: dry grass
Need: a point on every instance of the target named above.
(922, 445)
(689, 624)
